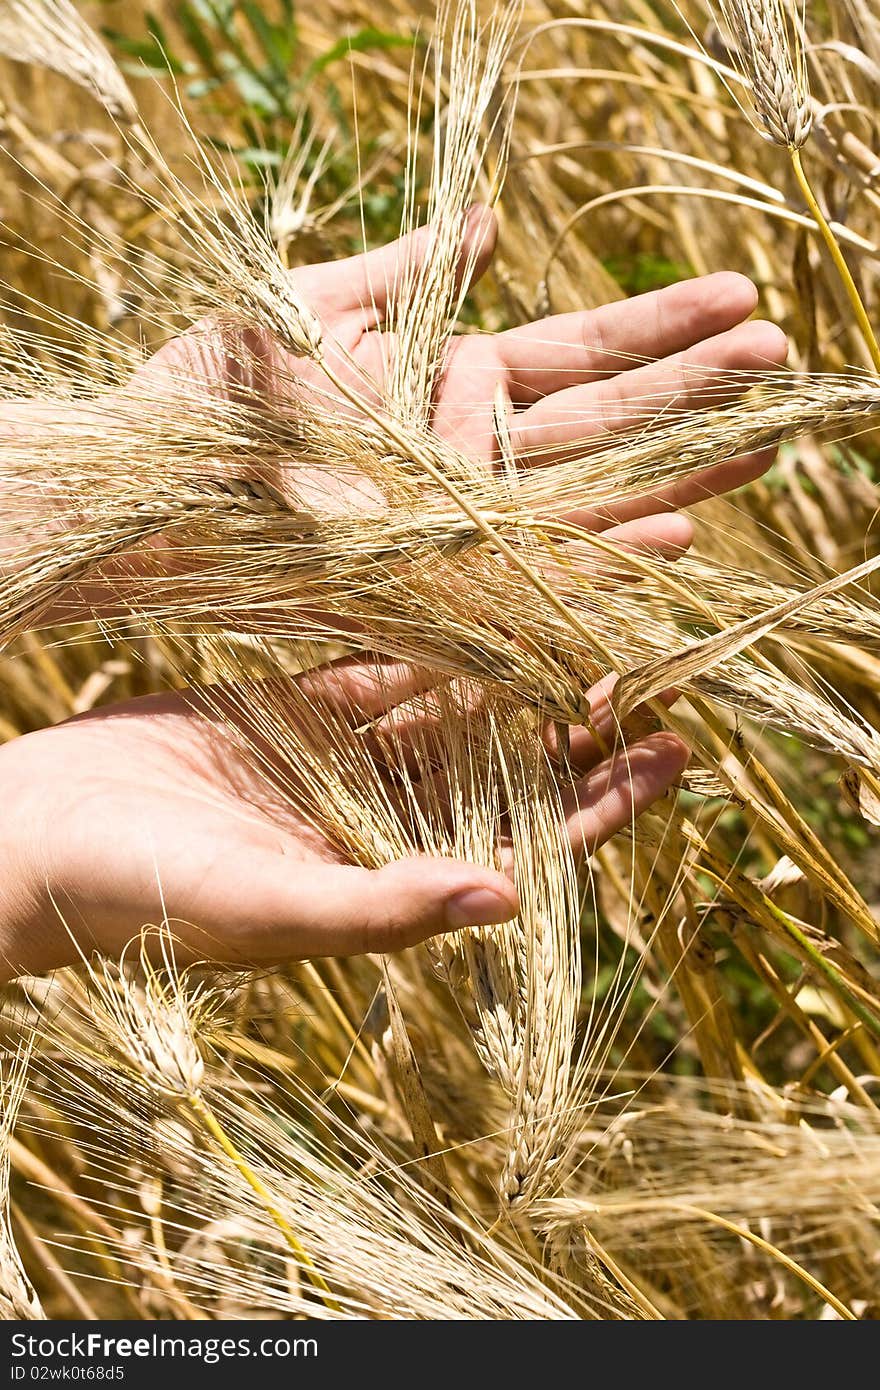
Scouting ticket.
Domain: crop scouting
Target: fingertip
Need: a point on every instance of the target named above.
(664, 534)
(757, 464)
(481, 905)
(446, 895)
(481, 232)
(481, 216)
(669, 750)
(681, 531)
(672, 534)
(728, 477)
(479, 896)
(731, 292)
(751, 467)
(768, 344)
(619, 790)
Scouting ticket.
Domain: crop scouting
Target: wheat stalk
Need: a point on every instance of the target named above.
(772, 58)
(155, 1029)
(390, 1248)
(414, 573)
(427, 299)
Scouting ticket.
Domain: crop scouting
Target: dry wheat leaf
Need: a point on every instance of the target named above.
(635, 687)
(860, 796)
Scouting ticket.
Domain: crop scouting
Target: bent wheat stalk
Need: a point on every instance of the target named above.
(155, 1029)
(773, 60)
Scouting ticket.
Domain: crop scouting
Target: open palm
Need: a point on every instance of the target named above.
(150, 807)
(568, 378)
(161, 812)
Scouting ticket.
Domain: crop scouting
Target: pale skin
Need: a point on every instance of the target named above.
(150, 809)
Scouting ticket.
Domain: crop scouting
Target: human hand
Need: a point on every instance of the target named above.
(152, 809)
(572, 378)
(155, 794)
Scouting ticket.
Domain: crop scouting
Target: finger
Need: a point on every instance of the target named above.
(572, 349)
(406, 739)
(464, 407)
(366, 689)
(664, 537)
(360, 689)
(293, 911)
(367, 284)
(618, 791)
(587, 745)
(704, 377)
(711, 482)
(349, 693)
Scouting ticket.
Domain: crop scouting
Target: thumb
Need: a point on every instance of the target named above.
(368, 283)
(339, 910)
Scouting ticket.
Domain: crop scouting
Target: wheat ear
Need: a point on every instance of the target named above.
(155, 1028)
(52, 34)
(17, 1297)
(771, 56)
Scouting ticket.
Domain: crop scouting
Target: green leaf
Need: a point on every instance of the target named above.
(201, 87)
(205, 47)
(154, 52)
(260, 158)
(220, 12)
(645, 271)
(256, 92)
(277, 41)
(364, 41)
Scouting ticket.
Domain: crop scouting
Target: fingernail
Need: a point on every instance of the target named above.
(477, 907)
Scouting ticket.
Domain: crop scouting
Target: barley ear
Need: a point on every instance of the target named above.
(17, 1297)
(52, 34)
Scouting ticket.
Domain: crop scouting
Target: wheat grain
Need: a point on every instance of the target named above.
(771, 56)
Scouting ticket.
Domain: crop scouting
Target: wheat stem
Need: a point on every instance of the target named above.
(838, 258)
(206, 1116)
(650, 1310)
(775, 1253)
(865, 1016)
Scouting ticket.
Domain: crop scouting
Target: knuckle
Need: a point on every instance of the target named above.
(594, 340)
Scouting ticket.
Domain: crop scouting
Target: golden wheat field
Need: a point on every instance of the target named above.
(390, 599)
